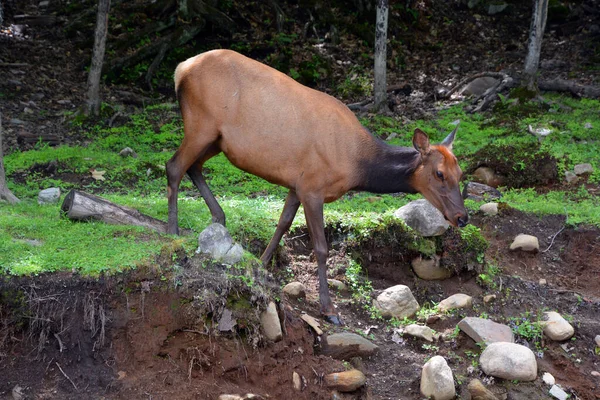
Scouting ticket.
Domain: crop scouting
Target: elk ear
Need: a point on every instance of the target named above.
(421, 142)
(450, 138)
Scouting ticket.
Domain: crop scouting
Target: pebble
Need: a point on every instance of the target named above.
(595, 373)
(525, 243)
(543, 282)
(396, 301)
(429, 269)
(489, 209)
(509, 361)
(556, 327)
(347, 381)
(597, 340)
(548, 379)
(570, 177)
(296, 381)
(455, 301)
(295, 290)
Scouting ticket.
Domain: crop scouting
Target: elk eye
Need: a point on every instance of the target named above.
(439, 175)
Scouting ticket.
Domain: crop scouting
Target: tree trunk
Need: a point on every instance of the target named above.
(92, 105)
(381, 55)
(5, 193)
(536, 34)
(84, 206)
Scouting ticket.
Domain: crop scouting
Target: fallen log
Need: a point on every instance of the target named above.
(83, 206)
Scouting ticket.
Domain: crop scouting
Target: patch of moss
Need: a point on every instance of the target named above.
(464, 249)
(522, 165)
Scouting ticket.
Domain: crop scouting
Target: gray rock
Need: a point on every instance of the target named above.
(429, 269)
(509, 361)
(486, 331)
(216, 241)
(337, 285)
(424, 218)
(455, 301)
(558, 393)
(295, 290)
(556, 327)
(226, 322)
(49, 196)
(496, 8)
(128, 152)
(437, 381)
(583, 169)
(396, 301)
(525, 243)
(588, 125)
(420, 331)
(489, 208)
(479, 192)
(269, 321)
(570, 177)
(597, 340)
(350, 344)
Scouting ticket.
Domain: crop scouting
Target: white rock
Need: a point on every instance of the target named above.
(49, 196)
(429, 269)
(548, 379)
(509, 361)
(543, 282)
(486, 331)
(296, 381)
(295, 290)
(556, 327)
(455, 301)
(583, 169)
(489, 208)
(558, 393)
(420, 331)
(570, 177)
(424, 218)
(216, 241)
(437, 381)
(597, 340)
(525, 243)
(269, 320)
(396, 301)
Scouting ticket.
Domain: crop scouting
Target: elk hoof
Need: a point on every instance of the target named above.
(334, 319)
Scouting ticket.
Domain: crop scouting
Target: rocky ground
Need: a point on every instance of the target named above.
(137, 336)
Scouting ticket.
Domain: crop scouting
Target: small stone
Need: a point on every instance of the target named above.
(424, 218)
(16, 121)
(479, 391)
(337, 285)
(455, 301)
(548, 379)
(588, 125)
(420, 331)
(295, 290)
(485, 331)
(543, 282)
(347, 381)
(489, 298)
(583, 169)
(570, 177)
(595, 373)
(429, 269)
(128, 152)
(489, 209)
(525, 243)
(558, 393)
(296, 381)
(597, 340)
(509, 361)
(269, 321)
(350, 345)
(556, 327)
(437, 381)
(49, 196)
(396, 301)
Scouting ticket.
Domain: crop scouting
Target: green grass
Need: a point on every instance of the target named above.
(252, 205)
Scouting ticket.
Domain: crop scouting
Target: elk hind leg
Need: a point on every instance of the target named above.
(292, 203)
(195, 174)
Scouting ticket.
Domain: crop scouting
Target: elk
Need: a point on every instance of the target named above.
(269, 125)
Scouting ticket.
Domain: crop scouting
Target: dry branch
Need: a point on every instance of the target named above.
(84, 206)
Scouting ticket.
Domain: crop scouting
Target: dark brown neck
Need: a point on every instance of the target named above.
(388, 169)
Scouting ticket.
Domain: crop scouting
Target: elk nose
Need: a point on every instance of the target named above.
(463, 220)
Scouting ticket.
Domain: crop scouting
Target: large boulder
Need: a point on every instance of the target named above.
(509, 361)
(424, 218)
(396, 301)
